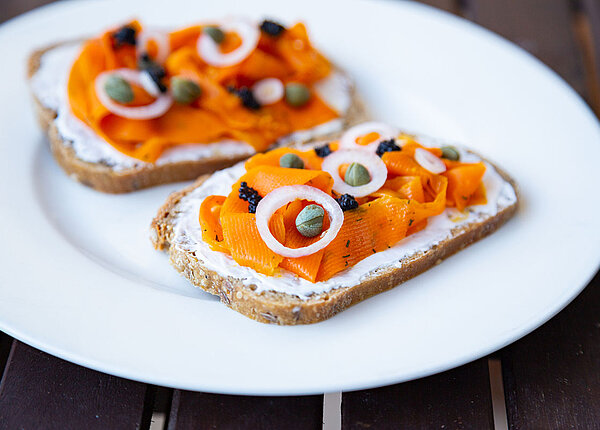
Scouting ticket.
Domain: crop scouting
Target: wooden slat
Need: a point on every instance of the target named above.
(582, 27)
(5, 343)
(542, 27)
(552, 377)
(12, 8)
(591, 10)
(191, 410)
(457, 399)
(39, 391)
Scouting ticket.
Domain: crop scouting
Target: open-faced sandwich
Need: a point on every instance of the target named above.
(296, 235)
(136, 107)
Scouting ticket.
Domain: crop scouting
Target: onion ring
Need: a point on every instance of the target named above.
(209, 50)
(162, 42)
(429, 162)
(374, 164)
(149, 84)
(348, 140)
(270, 203)
(158, 108)
(268, 91)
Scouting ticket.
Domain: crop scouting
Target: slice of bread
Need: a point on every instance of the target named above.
(106, 178)
(270, 306)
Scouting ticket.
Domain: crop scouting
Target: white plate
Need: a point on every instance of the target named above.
(79, 279)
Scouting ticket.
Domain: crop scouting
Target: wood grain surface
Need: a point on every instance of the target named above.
(542, 27)
(552, 376)
(191, 410)
(39, 391)
(457, 399)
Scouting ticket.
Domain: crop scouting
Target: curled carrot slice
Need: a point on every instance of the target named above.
(409, 148)
(245, 244)
(212, 233)
(271, 158)
(463, 181)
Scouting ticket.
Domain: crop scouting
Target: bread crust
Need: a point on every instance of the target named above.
(106, 179)
(285, 309)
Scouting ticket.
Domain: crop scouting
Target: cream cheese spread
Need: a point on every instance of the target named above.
(49, 84)
(187, 235)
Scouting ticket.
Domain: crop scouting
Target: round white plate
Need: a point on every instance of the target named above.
(79, 278)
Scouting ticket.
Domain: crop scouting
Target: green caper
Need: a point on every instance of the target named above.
(215, 34)
(309, 221)
(118, 89)
(184, 91)
(297, 95)
(450, 153)
(357, 175)
(291, 161)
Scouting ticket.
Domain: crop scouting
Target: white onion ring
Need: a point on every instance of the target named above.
(270, 203)
(149, 84)
(429, 162)
(162, 42)
(385, 132)
(158, 108)
(268, 91)
(374, 164)
(209, 50)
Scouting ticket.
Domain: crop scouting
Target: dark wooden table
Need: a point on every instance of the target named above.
(548, 380)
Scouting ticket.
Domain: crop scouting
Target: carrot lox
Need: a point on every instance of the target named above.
(212, 233)
(463, 181)
(271, 158)
(218, 113)
(371, 228)
(246, 245)
(402, 206)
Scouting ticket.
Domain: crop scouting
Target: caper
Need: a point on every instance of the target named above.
(297, 95)
(118, 89)
(291, 161)
(309, 221)
(357, 175)
(215, 34)
(450, 153)
(184, 91)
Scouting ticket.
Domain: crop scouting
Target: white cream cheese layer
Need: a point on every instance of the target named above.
(49, 84)
(187, 235)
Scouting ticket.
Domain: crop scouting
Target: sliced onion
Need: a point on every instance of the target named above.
(269, 204)
(210, 52)
(149, 84)
(158, 108)
(374, 164)
(429, 162)
(385, 132)
(268, 91)
(162, 42)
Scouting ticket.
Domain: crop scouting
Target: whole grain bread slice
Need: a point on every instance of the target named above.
(286, 309)
(110, 180)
